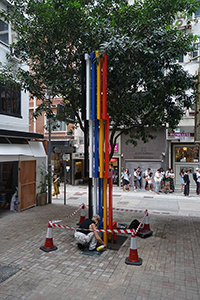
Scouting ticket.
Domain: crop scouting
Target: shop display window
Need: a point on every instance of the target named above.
(187, 154)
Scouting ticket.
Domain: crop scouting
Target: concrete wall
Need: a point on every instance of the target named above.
(151, 154)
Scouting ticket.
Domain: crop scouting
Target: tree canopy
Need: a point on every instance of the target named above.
(146, 89)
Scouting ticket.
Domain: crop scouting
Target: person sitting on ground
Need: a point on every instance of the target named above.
(86, 238)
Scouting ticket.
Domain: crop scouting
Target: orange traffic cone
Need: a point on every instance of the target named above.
(133, 258)
(48, 246)
(82, 217)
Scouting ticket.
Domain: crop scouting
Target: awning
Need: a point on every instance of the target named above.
(12, 152)
(20, 134)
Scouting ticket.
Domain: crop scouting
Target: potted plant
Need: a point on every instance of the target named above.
(41, 198)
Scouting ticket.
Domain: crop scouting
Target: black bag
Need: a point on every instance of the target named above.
(58, 183)
(134, 224)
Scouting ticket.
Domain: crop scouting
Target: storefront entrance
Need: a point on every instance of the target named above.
(185, 157)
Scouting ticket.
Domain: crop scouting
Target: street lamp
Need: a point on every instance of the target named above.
(49, 151)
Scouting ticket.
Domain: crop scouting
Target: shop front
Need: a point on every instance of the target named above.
(185, 156)
(18, 171)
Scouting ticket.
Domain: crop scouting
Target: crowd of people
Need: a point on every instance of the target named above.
(161, 181)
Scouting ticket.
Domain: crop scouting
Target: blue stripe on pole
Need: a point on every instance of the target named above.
(94, 100)
(96, 149)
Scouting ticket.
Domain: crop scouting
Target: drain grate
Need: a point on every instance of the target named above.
(7, 271)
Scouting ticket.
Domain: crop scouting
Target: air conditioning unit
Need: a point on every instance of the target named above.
(14, 57)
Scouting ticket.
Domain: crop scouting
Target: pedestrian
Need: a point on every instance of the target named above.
(146, 173)
(195, 177)
(150, 182)
(135, 179)
(157, 179)
(186, 184)
(181, 174)
(56, 184)
(171, 180)
(198, 182)
(126, 176)
(162, 185)
(167, 181)
(139, 177)
(87, 238)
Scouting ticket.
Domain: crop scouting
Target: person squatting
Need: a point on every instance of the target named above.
(86, 238)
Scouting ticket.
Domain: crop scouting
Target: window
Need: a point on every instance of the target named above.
(187, 154)
(196, 51)
(10, 100)
(4, 32)
(197, 13)
(180, 58)
(59, 126)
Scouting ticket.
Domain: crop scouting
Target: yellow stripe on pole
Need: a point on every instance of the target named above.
(98, 87)
(105, 236)
(101, 148)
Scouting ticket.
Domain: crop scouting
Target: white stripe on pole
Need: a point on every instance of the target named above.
(95, 196)
(88, 89)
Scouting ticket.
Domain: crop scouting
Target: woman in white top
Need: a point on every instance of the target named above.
(150, 181)
(157, 179)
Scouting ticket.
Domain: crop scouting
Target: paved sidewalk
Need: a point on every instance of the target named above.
(171, 260)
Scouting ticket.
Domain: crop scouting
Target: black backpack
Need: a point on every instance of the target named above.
(134, 224)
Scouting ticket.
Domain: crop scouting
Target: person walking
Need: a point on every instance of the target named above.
(181, 174)
(186, 184)
(56, 185)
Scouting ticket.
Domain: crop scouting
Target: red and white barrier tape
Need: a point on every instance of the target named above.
(146, 213)
(130, 210)
(53, 223)
(58, 221)
(99, 230)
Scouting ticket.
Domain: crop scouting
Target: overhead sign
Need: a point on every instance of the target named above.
(66, 150)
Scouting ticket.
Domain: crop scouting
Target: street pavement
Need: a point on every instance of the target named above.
(170, 257)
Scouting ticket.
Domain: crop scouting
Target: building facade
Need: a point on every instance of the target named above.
(21, 151)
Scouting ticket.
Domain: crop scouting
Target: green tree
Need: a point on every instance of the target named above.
(145, 88)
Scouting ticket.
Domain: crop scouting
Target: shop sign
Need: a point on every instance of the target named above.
(63, 150)
(179, 134)
(116, 148)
